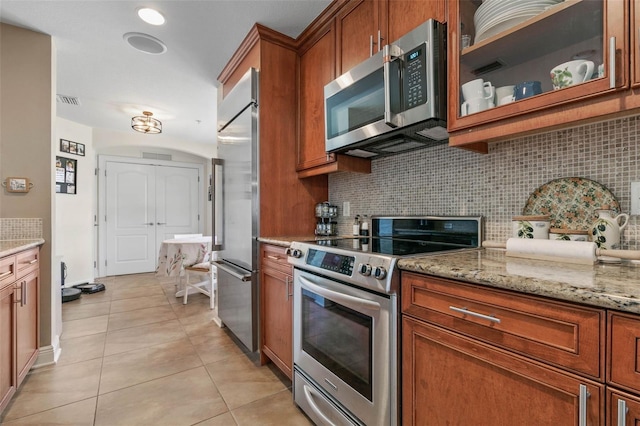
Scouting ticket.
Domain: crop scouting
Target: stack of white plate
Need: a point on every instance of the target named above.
(495, 16)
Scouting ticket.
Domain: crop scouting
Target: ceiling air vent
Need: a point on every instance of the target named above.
(68, 100)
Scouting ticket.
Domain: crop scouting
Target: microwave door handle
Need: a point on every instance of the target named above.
(214, 243)
(390, 54)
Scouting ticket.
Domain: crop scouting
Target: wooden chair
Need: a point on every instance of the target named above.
(205, 286)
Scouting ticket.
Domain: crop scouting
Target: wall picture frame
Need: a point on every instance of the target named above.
(71, 147)
(17, 184)
(66, 175)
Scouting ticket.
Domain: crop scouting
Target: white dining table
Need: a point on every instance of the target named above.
(177, 253)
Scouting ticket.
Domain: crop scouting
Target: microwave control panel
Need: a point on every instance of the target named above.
(415, 77)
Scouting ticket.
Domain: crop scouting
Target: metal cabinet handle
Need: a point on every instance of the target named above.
(273, 257)
(215, 162)
(5, 274)
(25, 299)
(380, 41)
(612, 63)
(582, 409)
(370, 45)
(465, 311)
(33, 261)
(622, 412)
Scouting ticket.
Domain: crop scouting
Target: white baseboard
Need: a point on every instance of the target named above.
(48, 355)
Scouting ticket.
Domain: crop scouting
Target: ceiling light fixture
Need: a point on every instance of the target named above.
(151, 16)
(146, 124)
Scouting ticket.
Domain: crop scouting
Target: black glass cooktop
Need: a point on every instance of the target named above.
(407, 236)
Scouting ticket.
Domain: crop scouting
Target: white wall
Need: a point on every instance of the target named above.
(75, 212)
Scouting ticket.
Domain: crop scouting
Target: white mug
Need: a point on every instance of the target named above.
(570, 73)
(475, 105)
(503, 92)
(477, 88)
(506, 100)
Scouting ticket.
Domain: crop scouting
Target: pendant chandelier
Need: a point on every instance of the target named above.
(146, 124)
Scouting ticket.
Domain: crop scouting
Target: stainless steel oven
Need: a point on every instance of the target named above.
(343, 339)
(346, 315)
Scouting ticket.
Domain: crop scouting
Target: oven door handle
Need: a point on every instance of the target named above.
(343, 299)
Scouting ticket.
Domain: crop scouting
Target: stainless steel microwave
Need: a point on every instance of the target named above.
(393, 102)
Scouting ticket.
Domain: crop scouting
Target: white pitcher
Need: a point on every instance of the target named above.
(606, 230)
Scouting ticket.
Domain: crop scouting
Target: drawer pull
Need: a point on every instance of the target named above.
(582, 408)
(622, 412)
(465, 311)
(612, 63)
(5, 274)
(273, 257)
(33, 261)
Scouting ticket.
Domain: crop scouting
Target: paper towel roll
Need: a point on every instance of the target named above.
(576, 251)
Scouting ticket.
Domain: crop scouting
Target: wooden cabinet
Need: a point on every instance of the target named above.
(19, 321)
(276, 305)
(402, 16)
(635, 43)
(623, 373)
(317, 67)
(358, 33)
(286, 202)
(476, 355)
(451, 379)
(8, 378)
(594, 30)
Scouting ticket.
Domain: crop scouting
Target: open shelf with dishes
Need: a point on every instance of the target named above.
(561, 26)
(530, 55)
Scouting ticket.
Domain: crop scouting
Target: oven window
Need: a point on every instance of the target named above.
(340, 339)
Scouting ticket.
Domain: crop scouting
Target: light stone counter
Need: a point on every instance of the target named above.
(9, 247)
(613, 286)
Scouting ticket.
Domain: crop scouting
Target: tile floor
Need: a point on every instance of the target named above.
(135, 355)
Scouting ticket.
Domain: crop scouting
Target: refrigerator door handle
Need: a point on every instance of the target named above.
(214, 243)
(233, 271)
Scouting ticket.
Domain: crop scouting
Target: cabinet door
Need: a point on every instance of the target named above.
(623, 351)
(449, 379)
(623, 409)
(635, 43)
(357, 33)
(403, 16)
(26, 323)
(536, 46)
(317, 68)
(7, 340)
(277, 330)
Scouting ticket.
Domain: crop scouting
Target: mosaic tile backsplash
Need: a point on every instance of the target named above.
(452, 181)
(20, 228)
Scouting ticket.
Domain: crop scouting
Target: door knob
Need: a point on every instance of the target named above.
(161, 223)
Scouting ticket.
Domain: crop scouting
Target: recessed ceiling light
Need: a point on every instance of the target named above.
(151, 16)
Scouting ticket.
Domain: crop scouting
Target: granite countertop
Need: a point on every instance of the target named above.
(606, 285)
(9, 247)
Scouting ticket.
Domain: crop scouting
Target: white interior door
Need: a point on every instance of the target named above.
(131, 218)
(146, 204)
(176, 202)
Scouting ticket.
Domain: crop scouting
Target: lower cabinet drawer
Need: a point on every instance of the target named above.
(561, 334)
(622, 408)
(276, 257)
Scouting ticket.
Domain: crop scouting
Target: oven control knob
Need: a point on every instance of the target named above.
(379, 273)
(364, 269)
(294, 253)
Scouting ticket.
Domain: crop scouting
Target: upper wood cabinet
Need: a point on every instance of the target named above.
(364, 26)
(347, 33)
(592, 30)
(635, 43)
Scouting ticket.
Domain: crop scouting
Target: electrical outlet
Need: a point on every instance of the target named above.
(635, 198)
(346, 209)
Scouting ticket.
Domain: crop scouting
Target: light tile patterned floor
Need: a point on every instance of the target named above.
(135, 355)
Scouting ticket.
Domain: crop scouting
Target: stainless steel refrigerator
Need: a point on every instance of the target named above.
(235, 219)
